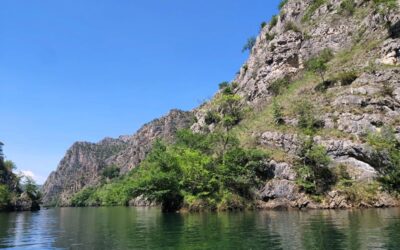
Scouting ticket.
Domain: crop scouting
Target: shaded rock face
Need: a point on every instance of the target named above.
(25, 203)
(82, 165)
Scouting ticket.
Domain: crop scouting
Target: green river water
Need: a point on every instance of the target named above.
(148, 228)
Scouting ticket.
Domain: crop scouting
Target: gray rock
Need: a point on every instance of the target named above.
(276, 188)
(82, 165)
(283, 170)
(390, 52)
(141, 201)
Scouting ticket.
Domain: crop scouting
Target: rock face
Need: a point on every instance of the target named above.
(366, 41)
(82, 165)
(25, 203)
(365, 105)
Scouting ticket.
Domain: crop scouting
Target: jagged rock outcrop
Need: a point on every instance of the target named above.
(366, 41)
(294, 42)
(25, 203)
(82, 165)
(355, 109)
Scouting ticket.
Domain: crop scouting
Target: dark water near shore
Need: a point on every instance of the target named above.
(140, 228)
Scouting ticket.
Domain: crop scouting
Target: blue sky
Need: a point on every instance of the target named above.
(73, 70)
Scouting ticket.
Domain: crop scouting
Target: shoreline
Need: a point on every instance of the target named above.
(261, 206)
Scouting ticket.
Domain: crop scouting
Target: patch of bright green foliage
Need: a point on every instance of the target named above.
(308, 122)
(318, 64)
(196, 168)
(5, 196)
(314, 176)
(386, 158)
(198, 171)
(12, 186)
(110, 172)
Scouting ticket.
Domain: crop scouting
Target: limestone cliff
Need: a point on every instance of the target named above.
(364, 38)
(82, 165)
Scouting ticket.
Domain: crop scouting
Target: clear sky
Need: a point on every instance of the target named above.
(73, 70)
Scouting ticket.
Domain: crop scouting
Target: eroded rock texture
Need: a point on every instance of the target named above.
(82, 165)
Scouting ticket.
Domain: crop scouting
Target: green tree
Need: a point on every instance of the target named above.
(31, 188)
(212, 117)
(4, 196)
(318, 65)
(242, 170)
(314, 176)
(223, 85)
(386, 158)
(249, 44)
(307, 119)
(192, 170)
(159, 178)
(9, 165)
(110, 172)
(81, 198)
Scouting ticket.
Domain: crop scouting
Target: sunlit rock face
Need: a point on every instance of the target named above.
(368, 41)
(83, 163)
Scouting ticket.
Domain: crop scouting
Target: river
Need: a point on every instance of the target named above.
(148, 228)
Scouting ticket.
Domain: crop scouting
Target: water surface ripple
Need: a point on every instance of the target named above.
(148, 228)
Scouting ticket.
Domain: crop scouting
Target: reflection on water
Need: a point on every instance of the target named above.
(141, 228)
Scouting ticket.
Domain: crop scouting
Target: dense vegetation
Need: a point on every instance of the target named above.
(198, 171)
(387, 158)
(16, 190)
(222, 168)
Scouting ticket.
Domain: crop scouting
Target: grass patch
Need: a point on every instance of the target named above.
(311, 9)
(263, 120)
(347, 7)
(270, 36)
(359, 192)
(282, 4)
(291, 26)
(274, 21)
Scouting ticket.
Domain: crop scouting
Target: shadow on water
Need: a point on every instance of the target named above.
(392, 231)
(144, 228)
(353, 230)
(320, 232)
(6, 226)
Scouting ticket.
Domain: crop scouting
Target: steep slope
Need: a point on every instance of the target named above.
(364, 41)
(83, 163)
(353, 95)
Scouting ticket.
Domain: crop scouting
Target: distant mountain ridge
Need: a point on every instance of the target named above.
(82, 165)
